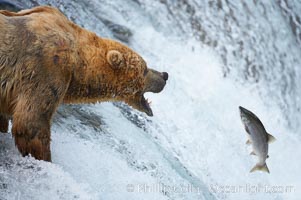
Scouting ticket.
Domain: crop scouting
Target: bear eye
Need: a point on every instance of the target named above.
(145, 72)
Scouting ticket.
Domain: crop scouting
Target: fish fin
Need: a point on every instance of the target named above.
(248, 142)
(253, 153)
(268, 156)
(271, 138)
(263, 168)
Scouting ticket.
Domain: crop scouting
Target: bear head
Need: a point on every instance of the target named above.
(117, 73)
(135, 78)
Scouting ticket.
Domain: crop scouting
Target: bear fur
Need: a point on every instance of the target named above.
(46, 60)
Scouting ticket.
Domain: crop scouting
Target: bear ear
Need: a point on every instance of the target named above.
(115, 59)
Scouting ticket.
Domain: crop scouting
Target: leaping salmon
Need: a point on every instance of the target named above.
(258, 138)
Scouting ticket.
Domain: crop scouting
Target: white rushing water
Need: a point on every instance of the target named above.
(194, 146)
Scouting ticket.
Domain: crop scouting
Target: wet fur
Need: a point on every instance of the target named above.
(46, 60)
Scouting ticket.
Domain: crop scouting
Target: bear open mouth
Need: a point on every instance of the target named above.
(145, 103)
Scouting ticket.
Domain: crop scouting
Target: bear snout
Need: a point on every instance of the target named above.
(165, 76)
(155, 81)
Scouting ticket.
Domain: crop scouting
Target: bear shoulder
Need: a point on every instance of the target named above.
(39, 9)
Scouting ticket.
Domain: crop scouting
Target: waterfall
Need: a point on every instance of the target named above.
(220, 55)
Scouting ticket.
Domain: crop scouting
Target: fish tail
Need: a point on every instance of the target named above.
(259, 167)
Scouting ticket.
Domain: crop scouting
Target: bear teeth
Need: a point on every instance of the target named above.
(148, 101)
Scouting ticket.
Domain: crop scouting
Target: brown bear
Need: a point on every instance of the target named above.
(46, 60)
